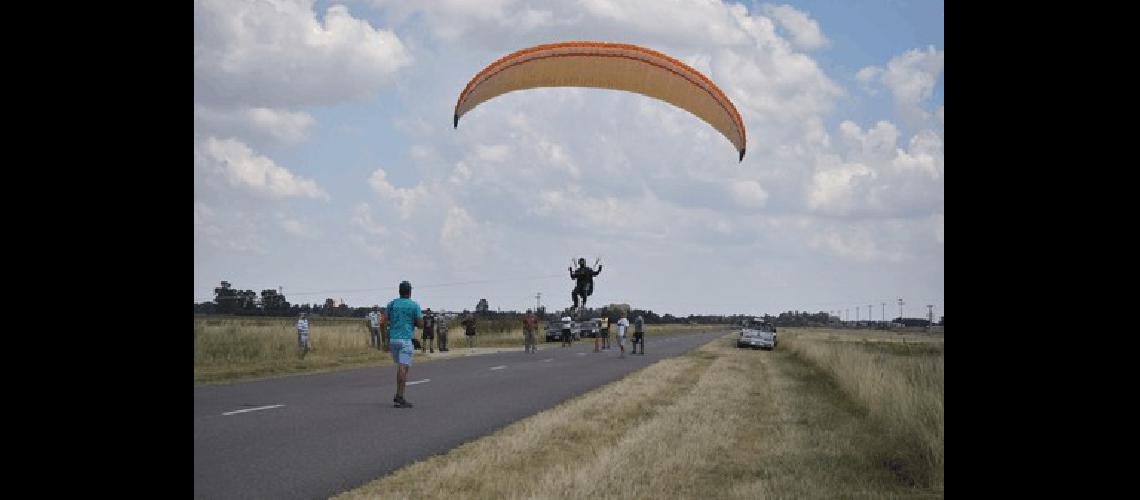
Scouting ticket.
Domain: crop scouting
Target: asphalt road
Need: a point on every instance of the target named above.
(313, 436)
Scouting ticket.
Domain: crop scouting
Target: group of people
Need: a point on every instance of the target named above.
(393, 329)
(622, 325)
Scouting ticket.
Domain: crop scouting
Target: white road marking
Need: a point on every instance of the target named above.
(581, 354)
(547, 360)
(419, 381)
(500, 367)
(252, 409)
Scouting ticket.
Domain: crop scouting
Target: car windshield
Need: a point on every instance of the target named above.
(755, 325)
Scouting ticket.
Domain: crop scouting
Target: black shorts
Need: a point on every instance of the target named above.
(584, 290)
(428, 334)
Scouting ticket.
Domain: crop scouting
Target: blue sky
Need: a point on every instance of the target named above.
(325, 160)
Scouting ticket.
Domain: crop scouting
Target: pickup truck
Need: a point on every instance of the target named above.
(757, 334)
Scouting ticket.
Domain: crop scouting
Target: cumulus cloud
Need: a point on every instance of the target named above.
(243, 168)
(277, 54)
(275, 125)
(404, 199)
(836, 186)
(910, 77)
(748, 193)
(804, 30)
(362, 219)
(872, 176)
(462, 238)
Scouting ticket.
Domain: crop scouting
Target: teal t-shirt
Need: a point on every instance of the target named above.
(402, 316)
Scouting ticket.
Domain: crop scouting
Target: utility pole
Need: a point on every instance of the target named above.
(869, 313)
(856, 314)
(884, 312)
(929, 318)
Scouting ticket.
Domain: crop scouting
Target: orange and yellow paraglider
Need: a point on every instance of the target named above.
(604, 65)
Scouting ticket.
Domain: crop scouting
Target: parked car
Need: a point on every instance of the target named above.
(757, 334)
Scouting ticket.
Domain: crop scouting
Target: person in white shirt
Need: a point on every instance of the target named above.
(374, 326)
(303, 344)
(622, 324)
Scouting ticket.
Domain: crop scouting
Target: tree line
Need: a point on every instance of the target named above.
(229, 300)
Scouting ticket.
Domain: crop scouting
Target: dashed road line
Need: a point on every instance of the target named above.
(251, 409)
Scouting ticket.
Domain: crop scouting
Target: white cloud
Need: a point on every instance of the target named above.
(925, 155)
(277, 54)
(460, 174)
(404, 199)
(835, 185)
(911, 77)
(462, 238)
(877, 144)
(804, 30)
(362, 219)
(872, 176)
(244, 168)
(277, 125)
(869, 74)
(748, 194)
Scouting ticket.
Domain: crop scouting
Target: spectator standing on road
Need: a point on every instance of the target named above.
(429, 331)
(441, 331)
(374, 327)
(567, 331)
(606, 338)
(402, 316)
(303, 344)
(622, 323)
(639, 334)
(469, 330)
(530, 324)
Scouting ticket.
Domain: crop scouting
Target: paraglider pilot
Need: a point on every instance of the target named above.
(585, 282)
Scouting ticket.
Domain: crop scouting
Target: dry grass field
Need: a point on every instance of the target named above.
(825, 415)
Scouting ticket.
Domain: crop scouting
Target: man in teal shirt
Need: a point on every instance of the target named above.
(402, 315)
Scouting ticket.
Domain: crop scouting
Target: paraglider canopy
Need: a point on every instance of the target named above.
(606, 65)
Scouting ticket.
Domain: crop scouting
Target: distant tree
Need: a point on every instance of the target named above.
(273, 302)
(226, 298)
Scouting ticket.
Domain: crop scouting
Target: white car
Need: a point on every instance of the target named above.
(757, 334)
